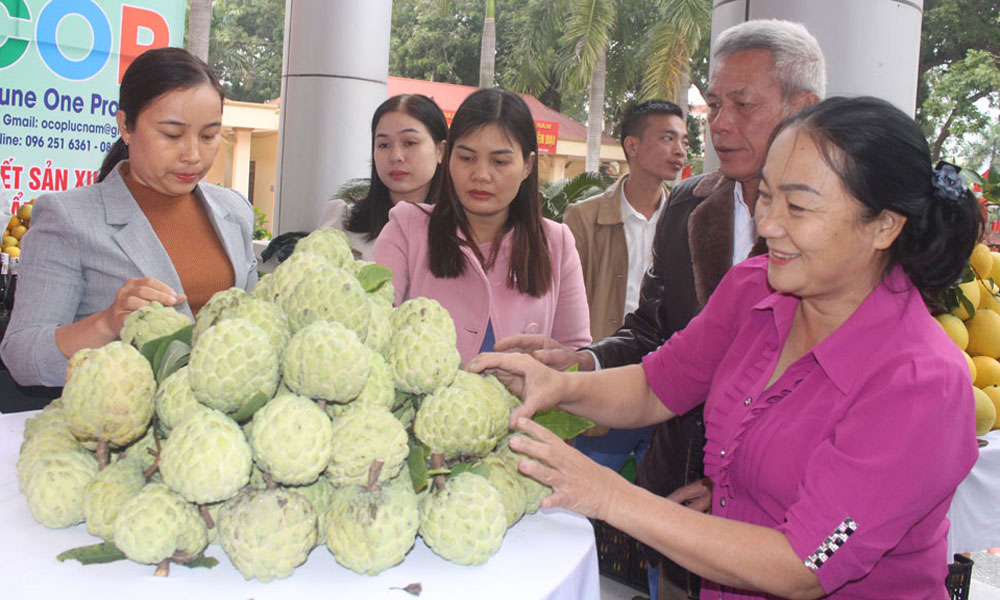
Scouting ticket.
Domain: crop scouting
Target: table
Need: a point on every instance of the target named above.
(975, 510)
(550, 554)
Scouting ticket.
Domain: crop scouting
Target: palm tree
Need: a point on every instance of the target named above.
(488, 49)
(646, 40)
(199, 27)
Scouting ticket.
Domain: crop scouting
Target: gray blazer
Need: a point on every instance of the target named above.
(82, 246)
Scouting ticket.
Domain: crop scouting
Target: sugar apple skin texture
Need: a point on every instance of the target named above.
(206, 458)
(465, 522)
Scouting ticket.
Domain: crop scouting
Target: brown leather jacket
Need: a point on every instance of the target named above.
(599, 230)
(692, 251)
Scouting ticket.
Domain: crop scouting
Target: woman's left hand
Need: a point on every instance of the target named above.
(578, 483)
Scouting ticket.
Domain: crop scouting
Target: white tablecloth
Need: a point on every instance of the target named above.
(975, 510)
(547, 555)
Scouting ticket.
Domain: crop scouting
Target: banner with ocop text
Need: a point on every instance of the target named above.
(60, 65)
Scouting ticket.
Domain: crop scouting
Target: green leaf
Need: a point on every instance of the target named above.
(966, 303)
(562, 423)
(95, 554)
(417, 462)
(373, 276)
(205, 562)
(152, 347)
(461, 467)
(253, 405)
(170, 358)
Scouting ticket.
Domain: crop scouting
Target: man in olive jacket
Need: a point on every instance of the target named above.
(762, 71)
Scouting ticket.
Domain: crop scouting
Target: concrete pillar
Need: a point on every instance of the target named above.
(241, 160)
(335, 65)
(872, 47)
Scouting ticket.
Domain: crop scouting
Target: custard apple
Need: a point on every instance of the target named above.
(236, 303)
(55, 487)
(424, 310)
(465, 522)
(328, 293)
(379, 326)
(379, 388)
(329, 243)
(422, 359)
(263, 288)
(151, 322)
(508, 484)
(53, 439)
(319, 494)
(109, 396)
(107, 492)
(534, 491)
(362, 434)
(267, 533)
(465, 418)
(300, 265)
(372, 530)
(157, 524)
(231, 363)
(206, 458)
(291, 439)
(325, 361)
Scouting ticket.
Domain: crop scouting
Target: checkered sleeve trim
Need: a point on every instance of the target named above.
(831, 544)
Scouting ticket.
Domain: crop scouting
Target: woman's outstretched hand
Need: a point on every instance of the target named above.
(578, 483)
(538, 386)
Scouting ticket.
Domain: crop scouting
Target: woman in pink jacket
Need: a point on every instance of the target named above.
(484, 251)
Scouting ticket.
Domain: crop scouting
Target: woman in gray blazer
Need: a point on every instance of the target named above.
(148, 231)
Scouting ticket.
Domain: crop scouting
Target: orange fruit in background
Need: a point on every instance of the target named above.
(972, 366)
(986, 412)
(24, 213)
(13, 251)
(981, 260)
(955, 329)
(987, 371)
(984, 333)
(18, 232)
(14, 222)
(971, 291)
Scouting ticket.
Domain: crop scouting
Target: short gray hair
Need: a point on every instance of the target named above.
(798, 61)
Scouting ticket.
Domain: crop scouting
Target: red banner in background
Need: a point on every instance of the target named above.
(548, 133)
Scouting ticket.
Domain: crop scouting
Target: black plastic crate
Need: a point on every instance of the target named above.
(959, 578)
(620, 556)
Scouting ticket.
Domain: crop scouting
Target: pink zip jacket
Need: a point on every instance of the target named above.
(477, 297)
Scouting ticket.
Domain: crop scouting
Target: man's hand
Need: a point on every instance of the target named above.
(547, 351)
(696, 496)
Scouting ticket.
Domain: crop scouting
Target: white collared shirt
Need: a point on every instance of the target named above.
(639, 234)
(744, 228)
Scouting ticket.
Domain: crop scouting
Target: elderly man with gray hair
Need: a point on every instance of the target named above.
(762, 71)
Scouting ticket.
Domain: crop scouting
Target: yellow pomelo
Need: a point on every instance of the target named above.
(984, 333)
(995, 273)
(993, 392)
(955, 329)
(988, 291)
(972, 366)
(24, 213)
(13, 251)
(18, 232)
(971, 291)
(981, 261)
(987, 371)
(986, 412)
(14, 222)
(9, 241)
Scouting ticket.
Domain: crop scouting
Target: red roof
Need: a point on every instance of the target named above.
(450, 95)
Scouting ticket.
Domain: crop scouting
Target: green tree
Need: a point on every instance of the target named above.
(625, 49)
(959, 81)
(246, 47)
(436, 42)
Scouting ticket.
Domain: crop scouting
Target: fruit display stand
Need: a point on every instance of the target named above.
(975, 512)
(550, 554)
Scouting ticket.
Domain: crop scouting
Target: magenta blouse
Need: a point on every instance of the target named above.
(854, 453)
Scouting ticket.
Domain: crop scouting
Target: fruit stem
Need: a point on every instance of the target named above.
(206, 516)
(437, 462)
(374, 470)
(153, 468)
(163, 569)
(103, 453)
(271, 485)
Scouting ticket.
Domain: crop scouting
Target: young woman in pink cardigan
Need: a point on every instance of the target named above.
(484, 251)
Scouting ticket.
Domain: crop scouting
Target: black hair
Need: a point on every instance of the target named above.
(635, 117)
(152, 74)
(882, 158)
(370, 214)
(530, 265)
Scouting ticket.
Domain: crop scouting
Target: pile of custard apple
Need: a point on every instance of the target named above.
(307, 413)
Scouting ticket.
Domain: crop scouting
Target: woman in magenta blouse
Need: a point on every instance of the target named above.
(485, 252)
(839, 416)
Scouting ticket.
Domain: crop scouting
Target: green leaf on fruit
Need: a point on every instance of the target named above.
(562, 423)
(173, 356)
(253, 405)
(205, 562)
(95, 554)
(373, 276)
(417, 462)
